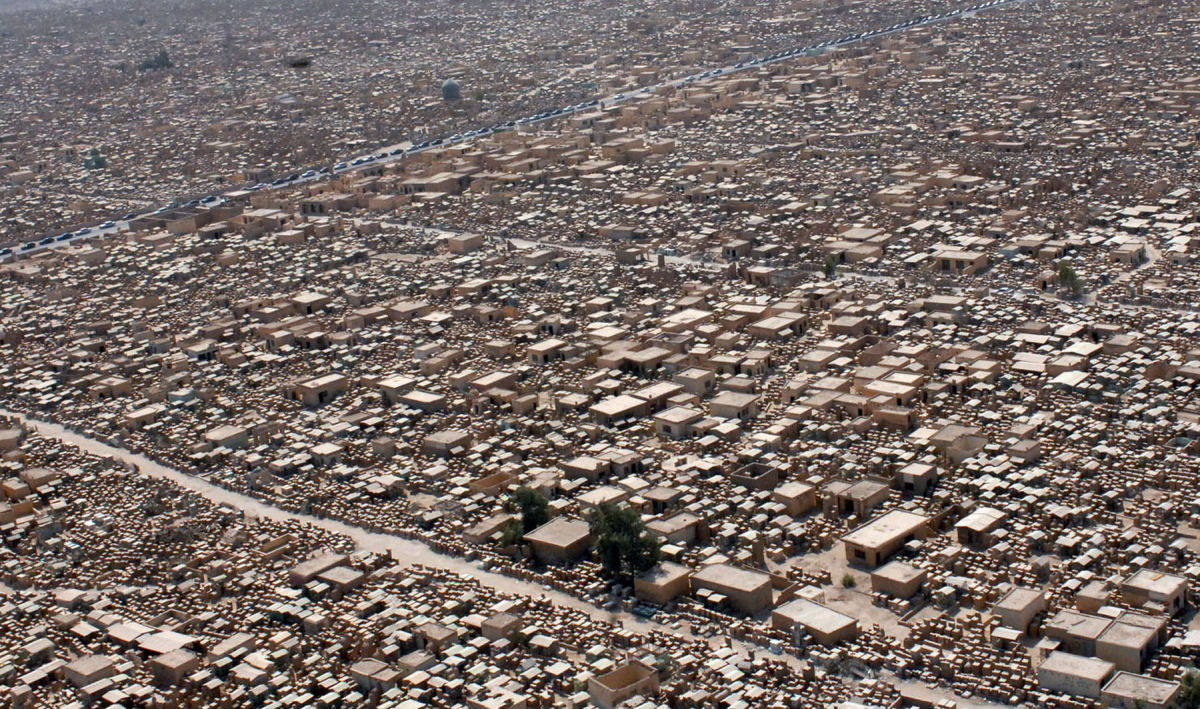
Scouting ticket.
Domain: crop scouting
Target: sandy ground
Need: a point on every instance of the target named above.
(408, 552)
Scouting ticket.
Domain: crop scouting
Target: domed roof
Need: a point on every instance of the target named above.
(451, 91)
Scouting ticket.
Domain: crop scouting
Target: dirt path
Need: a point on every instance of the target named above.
(408, 551)
(405, 551)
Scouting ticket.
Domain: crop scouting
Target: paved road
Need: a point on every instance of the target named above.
(399, 151)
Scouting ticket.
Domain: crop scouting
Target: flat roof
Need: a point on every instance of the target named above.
(560, 532)
(617, 405)
(323, 381)
(546, 345)
(679, 414)
(1135, 686)
(865, 488)
(223, 432)
(893, 524)
(658, 389)
(899, 571)
(733, 398)
(422, 396)
(815, 616)
(1080, 625)
(793, 489)
(1156, 582)
(731, 576)
(982, 520)
(663, 573)
(396, 381)
(1077, 666)
(1128, 635)
(1019, 599)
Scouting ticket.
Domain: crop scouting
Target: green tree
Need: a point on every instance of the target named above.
(511, 534)
(829, 268)
(159, 61)
(533, 506)
(1068, 277)
(625, 548)
(1189, 695)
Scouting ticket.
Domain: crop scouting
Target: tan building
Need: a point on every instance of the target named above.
(1127, 645)
(320, 390)
(898, 579)
(1127, 690)
(872, 543)
(796, 497)
(963, 263)
(616, 409)
(916, 478)
(663, 583)
(825, 625)
(88, 669)
(629, 679)
(678, 422)
(976, 528)
(1018, 607)
(227, 436)
(696, 380)
(733, 405)
(1074, 674)
(859, 497)
(747, 591)
(561, 540)
(1077, 632)
(171, 668)
(1155, 589)
(464, 243)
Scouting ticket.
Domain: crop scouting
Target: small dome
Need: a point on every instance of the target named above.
(451, 91)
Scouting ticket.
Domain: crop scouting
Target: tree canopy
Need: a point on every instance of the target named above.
(533, 506)
(159, 61)
(1190, 693)
(1069, 278)
(624, 546)
(829, 268)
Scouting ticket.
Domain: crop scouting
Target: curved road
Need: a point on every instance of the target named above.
(408, 552)
(405, 551)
